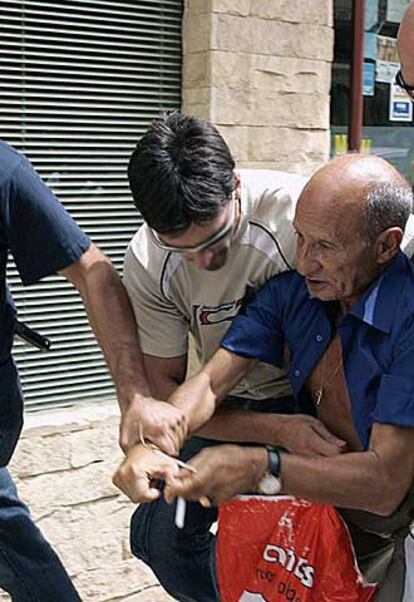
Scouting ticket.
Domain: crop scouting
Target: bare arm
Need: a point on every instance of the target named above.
(112, 320)
(300, 433)
(406, 45)
(165, 374)
(196, 398)
(199, 396)
(376, 480)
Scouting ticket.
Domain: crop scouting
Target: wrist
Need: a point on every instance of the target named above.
(405, 77)
(132, 400)
(279, 430)
(271, 481)
(258, 460)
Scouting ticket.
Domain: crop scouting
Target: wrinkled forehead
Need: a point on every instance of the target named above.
(329, 204)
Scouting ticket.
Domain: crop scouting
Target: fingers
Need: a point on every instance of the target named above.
(135, 474)
(325, 443)
(185, 485)
(205, 501)
(138, 489)
(166, 473)
(168, 432)
(326, 434)
(167, 442)
(170, 440)
(157, 421)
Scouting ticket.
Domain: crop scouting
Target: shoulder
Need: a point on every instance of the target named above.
(287, 288)
(144, 252)
(146, 262)
(264, 189)
(10, 160)
(396, 301)
(406, 293)
(268, 203)
(405, 277)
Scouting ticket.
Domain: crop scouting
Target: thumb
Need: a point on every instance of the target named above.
(179, 485)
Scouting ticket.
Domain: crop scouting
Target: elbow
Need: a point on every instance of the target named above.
(94, 266)
(388, 506)
(387, 498)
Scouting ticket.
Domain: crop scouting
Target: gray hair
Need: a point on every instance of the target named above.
(388, 205)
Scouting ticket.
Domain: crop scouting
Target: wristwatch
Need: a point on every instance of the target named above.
(271, 483)
(400, 81)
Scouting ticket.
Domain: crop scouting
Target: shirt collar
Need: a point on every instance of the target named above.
(378, 305)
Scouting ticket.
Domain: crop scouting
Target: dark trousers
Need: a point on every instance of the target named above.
(183, 559)
(30, 571)
(384, 547)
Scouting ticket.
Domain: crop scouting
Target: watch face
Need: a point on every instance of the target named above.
(270, 485)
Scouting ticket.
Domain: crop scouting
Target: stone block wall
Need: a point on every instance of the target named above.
(63, 467)
(260, 70)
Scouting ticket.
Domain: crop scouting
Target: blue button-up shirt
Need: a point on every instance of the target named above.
(377, 337)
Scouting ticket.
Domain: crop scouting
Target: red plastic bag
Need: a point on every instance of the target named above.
(284, 549)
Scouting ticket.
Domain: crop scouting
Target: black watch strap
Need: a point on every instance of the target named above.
(400, 81)
(273, 458)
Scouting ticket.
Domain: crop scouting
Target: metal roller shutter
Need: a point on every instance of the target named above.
(80, 80)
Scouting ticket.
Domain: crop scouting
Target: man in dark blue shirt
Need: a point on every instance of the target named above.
(43, 239)
(345, 322)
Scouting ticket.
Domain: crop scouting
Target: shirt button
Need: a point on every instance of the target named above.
(319, 338)
(296, 373)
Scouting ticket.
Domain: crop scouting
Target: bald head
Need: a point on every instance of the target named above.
(349, 221)
(366, 187)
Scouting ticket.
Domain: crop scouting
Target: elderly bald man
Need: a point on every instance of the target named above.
(347, 318)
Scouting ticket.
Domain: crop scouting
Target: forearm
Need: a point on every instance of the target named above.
(406, 45)
(245, 426)
(112, 321)
(196, 399)
(114, 326)
(199, 396)
(353, 480)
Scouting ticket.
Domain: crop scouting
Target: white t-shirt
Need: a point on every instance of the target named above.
(171, 297)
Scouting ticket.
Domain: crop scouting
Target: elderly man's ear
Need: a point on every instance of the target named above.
(388, 244)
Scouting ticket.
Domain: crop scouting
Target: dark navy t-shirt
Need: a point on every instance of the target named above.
(43, 239)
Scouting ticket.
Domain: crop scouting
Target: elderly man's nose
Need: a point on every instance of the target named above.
(306, 261)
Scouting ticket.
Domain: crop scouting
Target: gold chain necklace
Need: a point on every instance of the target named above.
(318, 395)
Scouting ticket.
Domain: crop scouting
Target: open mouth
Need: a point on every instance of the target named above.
(316, 284)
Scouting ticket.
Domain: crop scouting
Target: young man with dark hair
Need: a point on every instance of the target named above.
(212, 237)
(184, 162)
